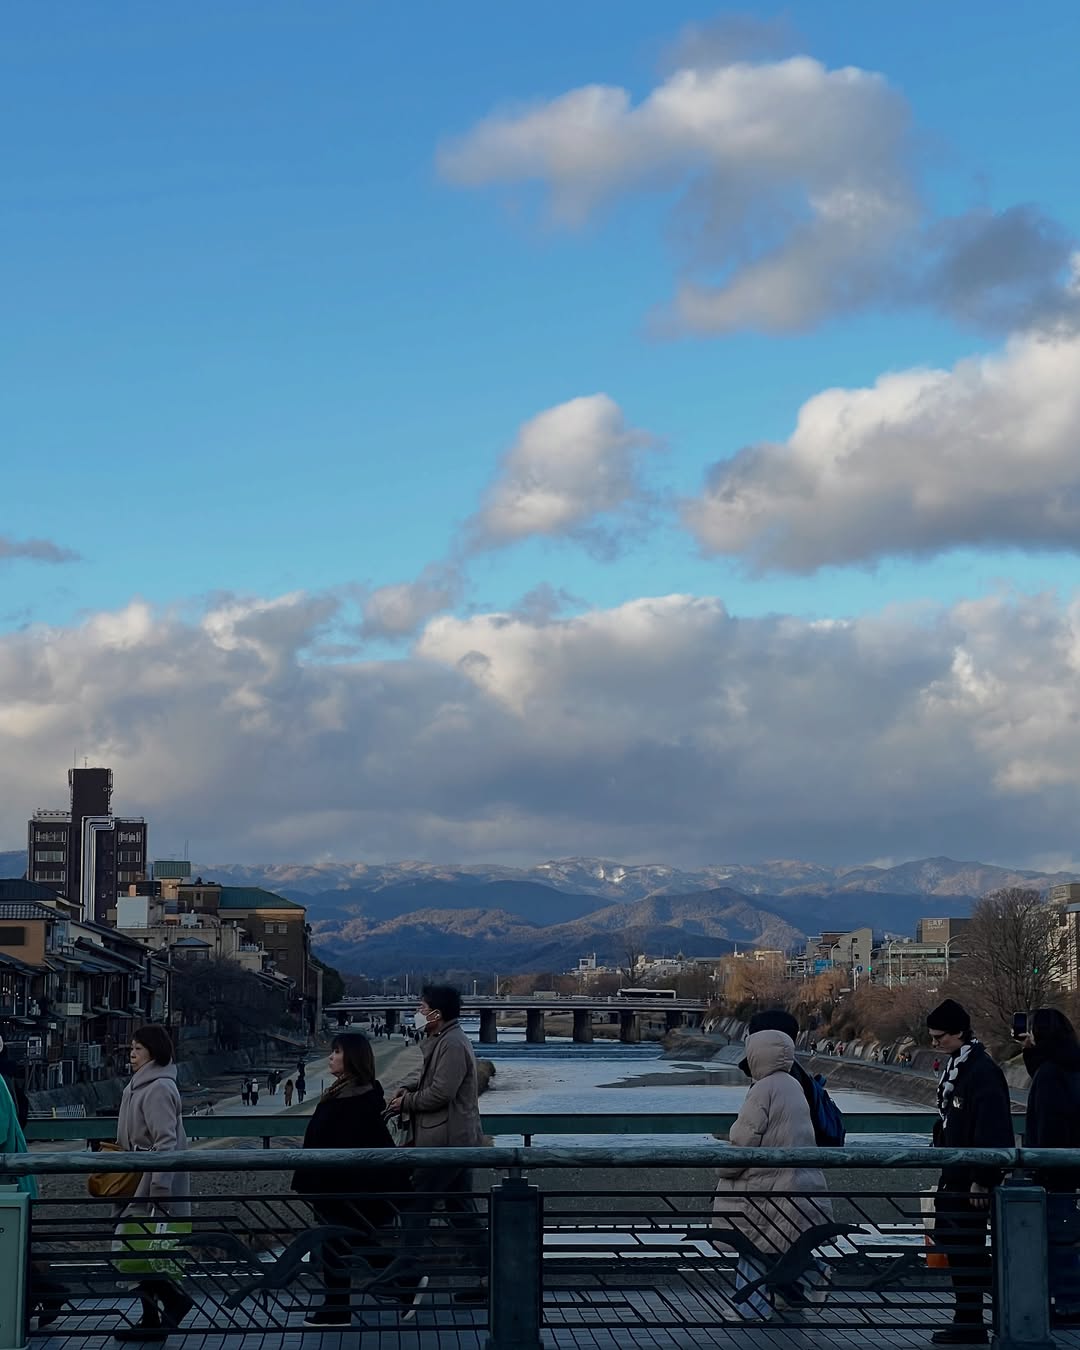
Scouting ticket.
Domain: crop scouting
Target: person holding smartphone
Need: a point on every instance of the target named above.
(1052, 1057)
(974, 1111)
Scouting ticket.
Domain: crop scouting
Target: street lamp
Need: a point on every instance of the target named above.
(947, 946)
(888, 953)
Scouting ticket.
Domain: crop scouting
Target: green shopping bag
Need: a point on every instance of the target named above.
(147, 1236)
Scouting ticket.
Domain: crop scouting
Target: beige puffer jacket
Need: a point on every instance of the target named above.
(775, 1114)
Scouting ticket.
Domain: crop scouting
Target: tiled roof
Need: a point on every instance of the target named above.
(253, 897)
(18, 910)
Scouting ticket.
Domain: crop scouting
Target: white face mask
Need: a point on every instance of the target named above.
(420, 1020)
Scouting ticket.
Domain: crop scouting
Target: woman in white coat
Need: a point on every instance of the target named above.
(772, 1206)
(151, 1120)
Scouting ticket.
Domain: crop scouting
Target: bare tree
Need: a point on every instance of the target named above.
(633, 949)
(1012, 957)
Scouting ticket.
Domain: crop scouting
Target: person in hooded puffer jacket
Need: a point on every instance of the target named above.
(1052, 1057)
(775, 1114)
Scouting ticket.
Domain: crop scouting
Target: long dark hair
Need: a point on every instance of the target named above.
(359, 1062)
(1051, 1030)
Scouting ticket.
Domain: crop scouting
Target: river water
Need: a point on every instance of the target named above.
(608, 1078)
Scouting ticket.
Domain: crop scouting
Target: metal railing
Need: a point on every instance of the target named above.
(524, 1124)
(643, 1248)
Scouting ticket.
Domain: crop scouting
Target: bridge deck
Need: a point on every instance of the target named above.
(564, 1338)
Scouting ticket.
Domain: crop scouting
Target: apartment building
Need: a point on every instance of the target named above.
(86, 851)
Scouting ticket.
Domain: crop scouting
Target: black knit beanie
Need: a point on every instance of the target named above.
(950, 1017)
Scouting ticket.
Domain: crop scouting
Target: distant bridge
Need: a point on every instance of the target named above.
(677, 1012)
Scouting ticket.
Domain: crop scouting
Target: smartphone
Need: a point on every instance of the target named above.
(1020, 1025)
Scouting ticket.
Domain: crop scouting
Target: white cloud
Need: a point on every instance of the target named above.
(664, 728)
(573, 472)
(569, 466)
(399, 609)
(797, 175)
(796, 192)
(986, 454)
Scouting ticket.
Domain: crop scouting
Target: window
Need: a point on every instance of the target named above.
(129, 855)
(282, 954)
(12, 937)
(51, 837)
(48, 874)
(49, 855)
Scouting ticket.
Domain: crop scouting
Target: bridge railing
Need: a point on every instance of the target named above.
(556, 1239)
(502, 1124)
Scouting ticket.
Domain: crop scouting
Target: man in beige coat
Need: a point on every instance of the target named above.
(440, 1109)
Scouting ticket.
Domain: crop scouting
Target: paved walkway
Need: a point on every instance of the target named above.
(393, 1060)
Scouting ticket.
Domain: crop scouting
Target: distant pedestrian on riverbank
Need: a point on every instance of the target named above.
(254, 1092)
(974, 1112)
(301, 1088)
(245, 1092)
(775, 1114)
(288, 1092)
(1052, 1057)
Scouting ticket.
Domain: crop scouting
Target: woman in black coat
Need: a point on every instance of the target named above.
(1052, 1057)
(349, 1115)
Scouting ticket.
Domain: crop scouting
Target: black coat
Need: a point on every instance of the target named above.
(978, 1115)
(351, 1118)
(1053, 1111)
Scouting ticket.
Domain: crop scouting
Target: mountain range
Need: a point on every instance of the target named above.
(380, 918)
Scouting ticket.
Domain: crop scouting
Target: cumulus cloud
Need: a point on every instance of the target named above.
(34, 550)
(569, 467)
(664, 728)
(399, 609)
(796, 191)
(573, 472)
(986, 454)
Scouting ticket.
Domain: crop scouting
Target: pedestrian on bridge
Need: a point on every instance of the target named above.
(288, 1092)
(440, 1109)
(151, 1120)
(775, 1114)
(1052, 1057)
(974, 1111)
(350, 1114)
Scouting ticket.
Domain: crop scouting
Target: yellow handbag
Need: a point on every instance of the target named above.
(112, 1185)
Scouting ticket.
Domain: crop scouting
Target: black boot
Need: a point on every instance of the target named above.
(148, 1327)
(48, 1297)
(175, 1304)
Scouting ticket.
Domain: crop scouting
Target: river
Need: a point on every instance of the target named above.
(608, 1078)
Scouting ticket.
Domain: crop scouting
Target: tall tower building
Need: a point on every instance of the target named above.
(87, 851)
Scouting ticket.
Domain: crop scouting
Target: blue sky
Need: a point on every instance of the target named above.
(260, 345)
(257, 342)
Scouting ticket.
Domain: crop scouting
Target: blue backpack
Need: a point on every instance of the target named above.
(828, 1119)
